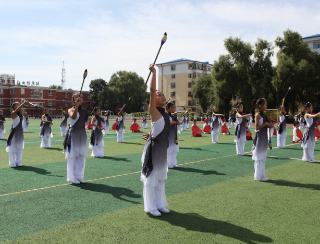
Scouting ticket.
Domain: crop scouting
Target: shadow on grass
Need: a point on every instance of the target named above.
(294, 184)
(36, 170)
(204, 172)
(132, 143)
(114, 158)
(196, 222)
(53, 148)
(192, 148)
(116, 192)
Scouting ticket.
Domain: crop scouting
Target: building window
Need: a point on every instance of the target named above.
(1, 101)
(89, 96)
(50, 92)
(89, 104)
(173, 67)
(50, 102)
(173, 76)
(41, 94)
(190, 94)
(31, 93)
(60, 112)
(189, 75)
(173, 85)
(67, 105)
(316, 45)
(36, 94)
(189, 84)
(22, 91)
(66, 94)
(199, 74)
(1, 91)
(14, 91)
(194, 75)
(50, 112)
(189, 103)
(173, 94)
(194, 109)
(10, 91)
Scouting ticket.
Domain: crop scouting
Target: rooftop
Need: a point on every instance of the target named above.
(316, 35)
(184, 60)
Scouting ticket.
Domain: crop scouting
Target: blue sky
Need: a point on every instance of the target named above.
(107, 36)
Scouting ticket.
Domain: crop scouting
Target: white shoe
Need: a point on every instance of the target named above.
(13, 166)
(264, 179)
(19, 164)
(164, 210)
(155, 213)
(76, 182)
(170, 167)
(82, 181)
(311, 161)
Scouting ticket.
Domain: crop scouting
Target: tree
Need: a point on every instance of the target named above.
(97, 90)
(299, 68)
(202, 90)
(55, 87)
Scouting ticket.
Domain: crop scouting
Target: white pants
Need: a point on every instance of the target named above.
(144, 125)
(172, 159)
(75, 168)
(308, 154)
(187, 125)
(240, 147)
(260, 169)
(97, 151)
(45, 141)
(154, 197)
(15, 157)
(214, 135)
(63, 132)
(106, 130)
(1, 134)
(119, 136)
(25, 128)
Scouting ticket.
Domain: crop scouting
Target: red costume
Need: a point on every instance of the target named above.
(114, 126)
(317, 133)
(89, 125)
(248, 134)
(224, 129)
(135, 128)
(196, 131)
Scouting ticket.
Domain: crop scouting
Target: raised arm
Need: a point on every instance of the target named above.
(312, 115)
(73, 112)
(154, 113)
(238, 115)
(214, 114)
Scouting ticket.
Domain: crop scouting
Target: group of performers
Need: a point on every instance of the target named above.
(161, 148)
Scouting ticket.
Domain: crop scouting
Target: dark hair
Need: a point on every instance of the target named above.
(307, 105)
(257, 102)
(95, 109)
(134, 119)
(169, 104)
(237, 105)
(296, 122)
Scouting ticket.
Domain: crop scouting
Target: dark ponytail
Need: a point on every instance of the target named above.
(257, 102)
(307, 105)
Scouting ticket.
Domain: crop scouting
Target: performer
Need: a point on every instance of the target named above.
(154, 157)
(224, 128)
(120, 127)
(15, 142)
(25, 122)
(45, 133)
(187, 120)
(250, 122)
(260, 142)
(206, 127)
(317, 132)
(297, 135)
(2, 122)
(64, 123)
(106, 123)
(282, 129)
(271, 130)
(230, 122)
(135, 127)
(114, 126)
(240, 134)
(75, 143)
(196, 131)
(215, 125)
(308, 141)
(96, 138)
(144, 121)
(301, 120)
(183, 123)
(173, 147)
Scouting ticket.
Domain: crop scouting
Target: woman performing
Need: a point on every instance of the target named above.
(154, 157)
(282, 128)
(297, 135)
(2, 122)
(308, 141)
(144, 121)
(183, 122)
(106, 123)
(15, 142)
(215, 125)
(135, 128)
(25, 122)
(230, 123)
(260, 141)
(64, 123)
(173, 147)
(45, 133)
(196, 131)
(96, 138)
(187, 120)
(120, 126)
(206, 127)
(240, 135)
(75, 143)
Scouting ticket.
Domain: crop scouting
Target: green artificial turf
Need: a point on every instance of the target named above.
(212, 195)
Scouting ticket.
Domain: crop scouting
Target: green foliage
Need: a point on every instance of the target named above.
(202, 90)
(55, 87)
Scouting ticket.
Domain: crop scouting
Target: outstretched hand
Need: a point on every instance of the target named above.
(146, 136)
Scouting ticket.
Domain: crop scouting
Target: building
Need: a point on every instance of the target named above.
(41, 97)
(7, 79)
(313, 42)
(175, 80)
